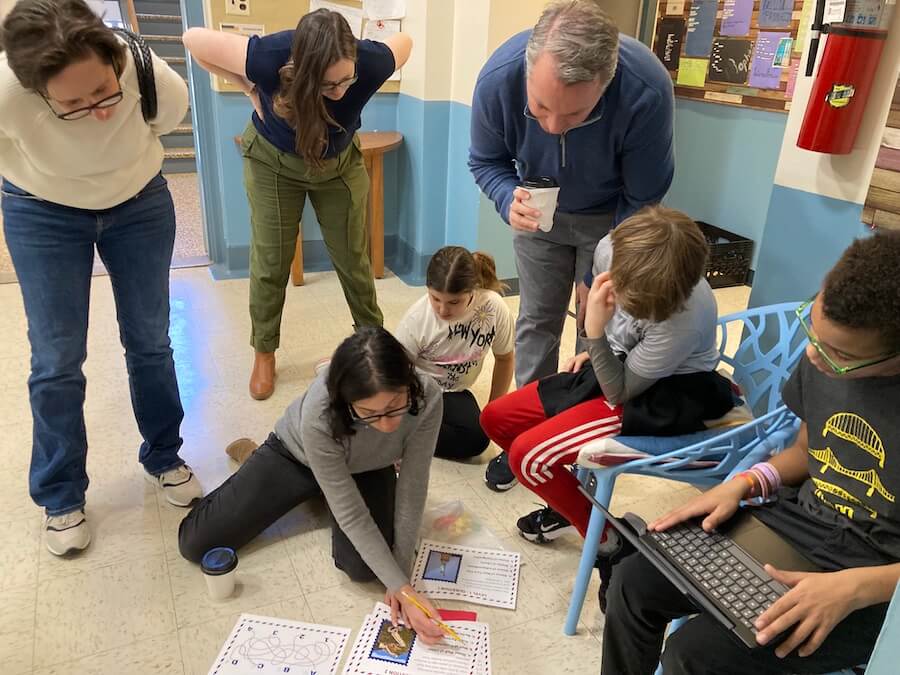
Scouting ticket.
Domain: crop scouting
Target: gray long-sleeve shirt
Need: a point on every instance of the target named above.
(305, 432)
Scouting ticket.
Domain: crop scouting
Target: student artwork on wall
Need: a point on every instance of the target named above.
(736, 52)
(669, 37)
(731, 60)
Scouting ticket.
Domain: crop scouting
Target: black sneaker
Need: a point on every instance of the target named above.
(498, 476)
(543, 525)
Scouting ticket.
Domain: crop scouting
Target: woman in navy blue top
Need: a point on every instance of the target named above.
(308, 88)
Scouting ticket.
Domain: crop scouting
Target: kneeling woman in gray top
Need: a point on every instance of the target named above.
(365, 412)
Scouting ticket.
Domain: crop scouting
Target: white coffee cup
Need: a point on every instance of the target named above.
(219, 565)
(544, 200)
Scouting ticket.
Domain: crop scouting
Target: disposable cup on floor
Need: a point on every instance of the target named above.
(219, 565)
(544, 200)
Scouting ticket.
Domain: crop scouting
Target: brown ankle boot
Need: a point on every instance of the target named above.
(241, 449)
(262, 379)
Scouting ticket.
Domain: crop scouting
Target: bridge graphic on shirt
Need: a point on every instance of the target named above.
(854, 429)
(823, 488)
(868, 478)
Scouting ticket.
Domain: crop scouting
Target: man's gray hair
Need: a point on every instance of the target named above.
(582, 39)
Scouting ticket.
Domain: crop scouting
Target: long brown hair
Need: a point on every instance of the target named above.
(453, 269)
(43, 37)
(322, 38)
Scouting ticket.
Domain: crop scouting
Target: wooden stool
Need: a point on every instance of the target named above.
(374, 144)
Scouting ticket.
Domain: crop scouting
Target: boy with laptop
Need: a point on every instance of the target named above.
(836, 501)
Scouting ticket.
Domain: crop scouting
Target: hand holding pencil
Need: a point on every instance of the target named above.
(417, 613)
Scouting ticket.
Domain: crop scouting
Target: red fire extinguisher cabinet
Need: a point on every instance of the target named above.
(842, 86)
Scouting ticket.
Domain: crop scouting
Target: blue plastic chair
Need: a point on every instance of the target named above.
(772, 344)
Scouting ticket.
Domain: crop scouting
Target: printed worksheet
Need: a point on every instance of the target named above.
(384, 649)
(481, 575)
(261, 644)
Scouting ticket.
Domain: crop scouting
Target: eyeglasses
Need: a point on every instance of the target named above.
(821, 348)
(343, 84)
(371, 419)
(81, 113)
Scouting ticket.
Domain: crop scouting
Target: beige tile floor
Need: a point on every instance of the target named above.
(130, 604)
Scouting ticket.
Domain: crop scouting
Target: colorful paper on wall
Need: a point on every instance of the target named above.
(692, 72)
(675, 8)
(775, 13)
(736, 17)
(669, 36)
(792, 78)
(806, 17)
(763, 73)
(730, 61)
(700, 27)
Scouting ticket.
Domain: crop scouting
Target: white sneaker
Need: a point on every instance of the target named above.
(67, 533)
(179, 485)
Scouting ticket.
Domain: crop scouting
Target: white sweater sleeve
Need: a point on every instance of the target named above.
(171, 97)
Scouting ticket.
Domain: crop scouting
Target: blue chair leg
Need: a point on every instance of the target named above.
(588, 556)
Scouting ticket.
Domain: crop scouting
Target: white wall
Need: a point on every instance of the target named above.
(5, 6)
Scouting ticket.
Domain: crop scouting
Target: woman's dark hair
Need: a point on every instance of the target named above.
(43, 37)
(453, 269)
(368, 362)
(322, 38)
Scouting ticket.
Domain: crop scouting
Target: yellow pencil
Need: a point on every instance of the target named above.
(440, 624)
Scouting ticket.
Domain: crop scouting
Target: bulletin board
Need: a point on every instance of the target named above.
(733, 52)
(265, 17)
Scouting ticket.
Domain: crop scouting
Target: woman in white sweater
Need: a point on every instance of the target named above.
(81, 169)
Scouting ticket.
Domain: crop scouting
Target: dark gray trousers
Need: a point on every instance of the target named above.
(269, 484)
(548, 265)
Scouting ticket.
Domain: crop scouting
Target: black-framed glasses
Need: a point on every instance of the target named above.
(80, 113)
(343, 84)
(371, 419)
(821, 349)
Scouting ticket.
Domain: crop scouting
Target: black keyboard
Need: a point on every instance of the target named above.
(734, 580)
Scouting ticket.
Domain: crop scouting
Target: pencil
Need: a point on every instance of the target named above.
(440, 624)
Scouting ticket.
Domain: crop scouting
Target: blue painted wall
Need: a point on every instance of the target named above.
(804, 236)
(725, 159)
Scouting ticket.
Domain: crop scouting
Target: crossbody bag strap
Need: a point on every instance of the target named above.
(143, 66)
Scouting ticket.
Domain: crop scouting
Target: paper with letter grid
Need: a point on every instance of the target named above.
(484, 576)
(383, 649)
(262, 644)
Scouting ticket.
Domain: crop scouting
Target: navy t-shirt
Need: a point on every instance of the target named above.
(265, 57)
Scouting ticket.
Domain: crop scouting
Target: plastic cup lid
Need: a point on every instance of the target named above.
(218, 561)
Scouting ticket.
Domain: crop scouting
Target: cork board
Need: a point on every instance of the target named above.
(266, 16)
(733, 52)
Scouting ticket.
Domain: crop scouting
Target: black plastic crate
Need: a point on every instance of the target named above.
(729, 256)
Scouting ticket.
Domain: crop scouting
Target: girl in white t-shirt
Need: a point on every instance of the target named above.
(449, 331)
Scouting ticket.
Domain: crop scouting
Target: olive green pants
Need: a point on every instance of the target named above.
(277, 184)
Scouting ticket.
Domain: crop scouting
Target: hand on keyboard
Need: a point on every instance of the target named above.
(718, 505)
(816, 603)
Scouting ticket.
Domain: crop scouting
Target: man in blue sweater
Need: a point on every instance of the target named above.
(573, 101)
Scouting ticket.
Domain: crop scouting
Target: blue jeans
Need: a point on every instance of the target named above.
(52, 249)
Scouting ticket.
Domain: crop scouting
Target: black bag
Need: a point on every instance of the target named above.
(143, 66)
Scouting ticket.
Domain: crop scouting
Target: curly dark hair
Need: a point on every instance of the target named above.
(366, 363)
(862, 290)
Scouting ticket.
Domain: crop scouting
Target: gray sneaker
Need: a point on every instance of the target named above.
(67, 533)
(179, 485)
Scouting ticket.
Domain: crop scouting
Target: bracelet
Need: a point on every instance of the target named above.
(772, 475)
(763, 483)
(746, 476)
